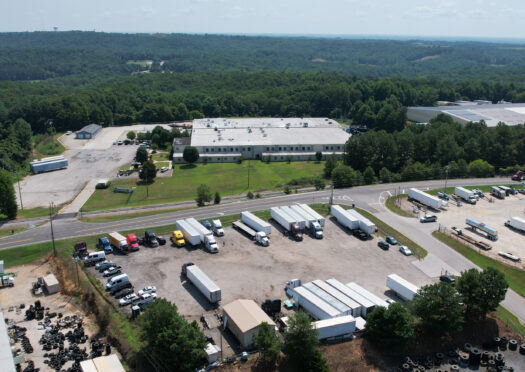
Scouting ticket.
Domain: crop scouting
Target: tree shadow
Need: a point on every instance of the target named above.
(188, 166)
(144, 183)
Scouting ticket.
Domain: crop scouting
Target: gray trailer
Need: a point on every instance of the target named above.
(341, 297)
(204, 284)
(312, 223)
(332, 301)
(366, 305)
(313, 305)
(372, 297)
(255, 222)
(403, 288)
(312, 212)
(48, 164)
(191, 236)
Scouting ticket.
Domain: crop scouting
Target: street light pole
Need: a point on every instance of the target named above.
(52, 232)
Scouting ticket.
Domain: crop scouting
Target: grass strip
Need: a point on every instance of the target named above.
(514, 276)
(511, 320)
(391, 205)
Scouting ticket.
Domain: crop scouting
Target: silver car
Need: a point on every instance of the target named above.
(129, 299)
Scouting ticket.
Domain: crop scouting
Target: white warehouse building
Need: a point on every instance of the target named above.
(274, 139)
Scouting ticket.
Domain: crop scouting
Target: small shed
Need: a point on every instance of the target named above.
(108, 363)
(212, 352)
(50, 284)
(88, 132)
(243, 318)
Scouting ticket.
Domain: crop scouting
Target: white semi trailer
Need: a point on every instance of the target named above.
(372, 297)
(255, 222)
(403, 288)
(342, 326)
(516, 223)
(308, 209)
(288, 222)
(347, 220)
(299, 219)
(205, 235)
(466, 195)
(426, 199)
(353, 305)
(366, 305)
(365, 224)
(191, 236)
(204, 284)
(312, 223)
(334, 302)
(313, 305)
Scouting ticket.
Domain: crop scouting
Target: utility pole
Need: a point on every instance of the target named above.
(75, 260)
(332, 194)
(19, 191)
(249, 164)
(446, 178)
(52, 232)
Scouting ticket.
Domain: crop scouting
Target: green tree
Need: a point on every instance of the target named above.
(438, 307)
(217, 199)
(318, 155)
(345, 176)
(249, 195)
(169, 339)
(287, 189)
(318, 183)
(480, 168)
(300, 344)
(385, 175)
(131, 135)
(369, 175)
(8, 205)
(329, 165)
(482, 292)
(204, 195)
(268, 344)
(148, 172)
(190, 154)
(392, 326)
(141, 155)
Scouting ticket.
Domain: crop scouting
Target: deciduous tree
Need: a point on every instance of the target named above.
(8, 204)
(267, 342)
(392, 326)
(190, 154)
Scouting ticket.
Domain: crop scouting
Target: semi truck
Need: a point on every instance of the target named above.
(366, 305)
(191, 236)
(340, 327)
(312, 223)
(355, 308)
(491, 233)
(426, 199)
(345, 219)
(104, 245)
(312, 212)
(206, 236)
(255, 222)
(203, 283)
(48, 164)
(516, 223)
(259, 236)
(508, 190)
(497, 192)
(518, 176)
(177, 238)
(217, 228)
(467, 195)
(287, 222)
(313, 305)
(403, 288)
(118, 242)
(150, 240)
(133, 244)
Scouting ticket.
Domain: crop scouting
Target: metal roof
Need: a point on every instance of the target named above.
(7, 363)
(91, 128)
(246, 314)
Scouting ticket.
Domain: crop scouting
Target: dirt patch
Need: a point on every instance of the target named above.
(426, 58)
(321, 60)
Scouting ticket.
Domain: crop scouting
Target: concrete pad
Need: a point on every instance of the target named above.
(434, 267)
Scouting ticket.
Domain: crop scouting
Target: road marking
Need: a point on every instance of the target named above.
(220, 214)
(16, 241)
(389, 193)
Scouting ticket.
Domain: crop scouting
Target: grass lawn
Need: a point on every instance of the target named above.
(385, 230)
(7, 231)
(123, 216)
(226, 178)
(390, 204)
(484, 188)
(515, 277)
(161, 156)
(511, 320)
(30, 213)
(47, 146)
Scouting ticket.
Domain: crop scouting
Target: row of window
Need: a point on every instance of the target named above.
(291, 148)
(225, 149)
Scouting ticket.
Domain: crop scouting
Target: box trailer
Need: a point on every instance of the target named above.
(342, 326)
(205, 235)
(312, 212)
(118, 242)
(403, 288)
(341, 297)
(372, 297)
(516, 223)
(332, 301)
(299, 219)
(255, 222)
(365, 224)
(497, 192)
(191, 236)
(312, 223)
(366, 305)
(347, 220)
(204, 284)
(466, 195)
(288, 222)
(426, 199)
(491, 233)
(313, 305)
(48, 164)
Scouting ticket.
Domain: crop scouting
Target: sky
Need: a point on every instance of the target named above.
(462, 18)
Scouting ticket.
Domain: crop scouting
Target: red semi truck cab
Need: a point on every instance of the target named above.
(133, 244)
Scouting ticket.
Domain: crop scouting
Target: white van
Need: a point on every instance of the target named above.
(118, 282)
(94, 257)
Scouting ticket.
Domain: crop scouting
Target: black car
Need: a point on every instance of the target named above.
(448, 279)
(161, 240)
(124, 292)
(383, 245)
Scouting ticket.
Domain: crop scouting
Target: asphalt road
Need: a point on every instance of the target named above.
(370, 197)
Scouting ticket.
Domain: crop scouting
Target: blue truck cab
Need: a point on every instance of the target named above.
(206, 224)
(103, 244)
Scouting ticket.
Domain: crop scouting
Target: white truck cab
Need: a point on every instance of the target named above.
(262, 239)
(217, 228)
(211, 244)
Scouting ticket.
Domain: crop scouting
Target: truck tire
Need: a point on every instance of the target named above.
(513, 345)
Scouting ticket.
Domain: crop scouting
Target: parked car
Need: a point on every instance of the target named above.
(405, 250)
(383, 245)
(107, 265)
(510, 256)
(148, 289)
(120, 143)
(391, 240)
(448, 279)
(113, 271)
(123, 293)
(443, 195)
(161, 240)
(68, 133)
(164, 169)
(129, 299)
(427, 218)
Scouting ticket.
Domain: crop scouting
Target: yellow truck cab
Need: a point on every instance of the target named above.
(178, 239)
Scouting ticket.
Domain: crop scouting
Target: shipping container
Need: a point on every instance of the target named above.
(313, 305)
(204, 284)
(365, 224)
(255, 222)
(336, 327)
(366, 305)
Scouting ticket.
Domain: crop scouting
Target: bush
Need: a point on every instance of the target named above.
(249, 195)
(480, 168)
(287, 189)
(257, 196)
(217, 199)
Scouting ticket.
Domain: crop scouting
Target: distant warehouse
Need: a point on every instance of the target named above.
(274, 139)
(88, 132)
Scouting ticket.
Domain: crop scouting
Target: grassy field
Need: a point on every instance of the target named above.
(30, 213)
(515, 277)
(390, 204)
(226, 178)
(385, 230)
(45, 145)
(7, 231)
(123, 216)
